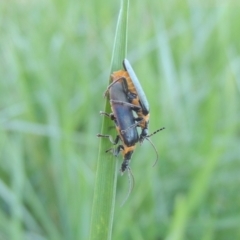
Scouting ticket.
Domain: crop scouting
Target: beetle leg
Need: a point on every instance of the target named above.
(115, 152)
(132, 126)
(114, 142)
(118, 150)
(110, 115)
(138, 120)
(126, 103)
(105, 93)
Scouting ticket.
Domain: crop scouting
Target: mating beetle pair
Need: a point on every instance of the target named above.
(126, 95)
(123, 117)
(136, 98)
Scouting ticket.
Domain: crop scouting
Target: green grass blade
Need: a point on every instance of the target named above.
(106, 175)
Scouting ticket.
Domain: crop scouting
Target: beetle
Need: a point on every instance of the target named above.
(136, 99)
(140, 100)
(133, 100)
(122, 116)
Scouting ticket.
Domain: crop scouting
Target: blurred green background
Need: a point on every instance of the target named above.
(54, 67)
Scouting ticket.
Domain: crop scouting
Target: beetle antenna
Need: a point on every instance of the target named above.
(148, 138)
(155, 132)
(155, 151)
(131, 184)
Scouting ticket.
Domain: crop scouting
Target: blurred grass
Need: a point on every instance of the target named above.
(54, 58)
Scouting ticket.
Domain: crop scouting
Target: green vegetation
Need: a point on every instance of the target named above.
(55, 59)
